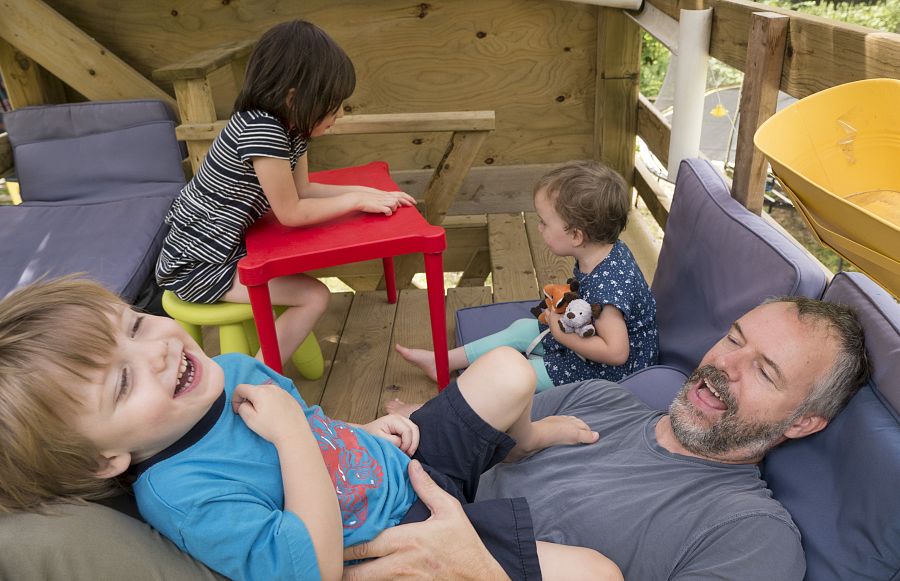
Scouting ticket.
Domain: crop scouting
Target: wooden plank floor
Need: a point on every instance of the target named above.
(358, 332)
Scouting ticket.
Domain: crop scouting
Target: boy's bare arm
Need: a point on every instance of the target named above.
(275, 415)
(609, 345)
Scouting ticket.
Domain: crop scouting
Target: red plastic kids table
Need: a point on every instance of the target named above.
(275, 250)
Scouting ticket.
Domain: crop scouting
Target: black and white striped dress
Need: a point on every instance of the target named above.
(199, 257)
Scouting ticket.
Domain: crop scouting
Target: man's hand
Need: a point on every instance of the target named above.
(443, 547)
(398, 430)
(268, 410)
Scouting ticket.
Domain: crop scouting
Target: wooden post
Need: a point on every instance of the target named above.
(759, 97)
(26, 82)
(6, 157)
(618, 87)
(71, 55)
(196, 105)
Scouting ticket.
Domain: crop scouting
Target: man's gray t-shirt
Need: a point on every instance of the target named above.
(658, 515)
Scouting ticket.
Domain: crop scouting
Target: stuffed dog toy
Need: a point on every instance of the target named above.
(579, 318)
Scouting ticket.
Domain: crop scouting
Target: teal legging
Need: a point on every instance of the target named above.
(518, 335)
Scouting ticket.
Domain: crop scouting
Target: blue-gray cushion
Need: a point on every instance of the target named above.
(840, 485)
(476, 322)
(718, 261)
(656, 386)
(97, 180)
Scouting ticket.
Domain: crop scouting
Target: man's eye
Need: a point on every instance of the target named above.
(731, 339)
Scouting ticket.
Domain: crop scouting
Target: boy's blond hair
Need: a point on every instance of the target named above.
(55, 337)
(588, 196)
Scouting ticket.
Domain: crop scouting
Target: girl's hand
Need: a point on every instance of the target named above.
(396, 429)
(378, 202)
(269, 410)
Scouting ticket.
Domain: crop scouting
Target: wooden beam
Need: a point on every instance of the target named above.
(759, 99)
(513, 272)
(196, 105)
(71, 55)
(414, 122)
(617, 90)
(821, 52)
(651, 191)
(27, 83)
(653, 128)
(205, 62)
(6, 156)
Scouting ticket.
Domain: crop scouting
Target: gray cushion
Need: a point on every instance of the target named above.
(718, 261)
(97, 180)
(89, 543)
(656, 386)
(840, 485)
(96, 150)
(116, 243)
(476, 322)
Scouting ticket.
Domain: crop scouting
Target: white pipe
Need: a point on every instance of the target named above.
(694, 30)
(625, 4)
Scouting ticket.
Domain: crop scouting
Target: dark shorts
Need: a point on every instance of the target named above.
(455, 447)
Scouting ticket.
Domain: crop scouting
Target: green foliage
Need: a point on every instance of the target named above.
(884, 15)
(654, 62)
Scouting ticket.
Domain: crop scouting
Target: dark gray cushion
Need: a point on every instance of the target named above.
(840, 485)
(116, 243)
(97, 150)
(97, 180)
(656, 386)
(476, 322)
(718, 261)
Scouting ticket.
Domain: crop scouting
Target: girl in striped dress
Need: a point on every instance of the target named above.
(296, 81)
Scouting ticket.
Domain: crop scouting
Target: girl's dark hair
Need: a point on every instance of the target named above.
(297, 55)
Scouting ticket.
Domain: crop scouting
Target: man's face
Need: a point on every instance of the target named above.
(158, 385)
(742, 399)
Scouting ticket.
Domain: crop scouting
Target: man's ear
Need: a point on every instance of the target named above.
(805, 426)
(112, 466)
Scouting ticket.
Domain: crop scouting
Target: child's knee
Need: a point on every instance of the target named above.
(320, 295)
(510, 370)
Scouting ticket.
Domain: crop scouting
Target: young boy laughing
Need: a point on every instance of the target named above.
(227, 460)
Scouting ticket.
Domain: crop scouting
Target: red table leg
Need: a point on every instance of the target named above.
(261, 303)
(434, 275)
(390, 281)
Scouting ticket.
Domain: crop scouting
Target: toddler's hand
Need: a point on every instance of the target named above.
(378, 202)
(268, 410)
(398, 430)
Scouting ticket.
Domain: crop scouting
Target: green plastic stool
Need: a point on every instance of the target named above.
(237, 333)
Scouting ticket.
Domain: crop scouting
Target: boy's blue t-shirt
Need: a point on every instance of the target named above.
(218, 492)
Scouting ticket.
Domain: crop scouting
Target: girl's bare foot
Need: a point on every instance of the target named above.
(395, 406)
(421, 358)
(553, 431)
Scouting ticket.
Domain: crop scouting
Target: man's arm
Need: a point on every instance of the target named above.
(443, 547)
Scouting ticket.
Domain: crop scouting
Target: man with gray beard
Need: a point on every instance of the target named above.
(674, 495)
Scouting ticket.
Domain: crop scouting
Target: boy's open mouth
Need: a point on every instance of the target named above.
(187, 375)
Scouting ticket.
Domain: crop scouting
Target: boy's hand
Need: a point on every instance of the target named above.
(398, 430)
(268, 410)
(378, 202)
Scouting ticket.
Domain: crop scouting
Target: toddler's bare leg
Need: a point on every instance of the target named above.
(566, 563)
(499, 386)
(424, 359)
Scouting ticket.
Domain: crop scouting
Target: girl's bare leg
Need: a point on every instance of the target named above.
(566, 563)
(306, 299)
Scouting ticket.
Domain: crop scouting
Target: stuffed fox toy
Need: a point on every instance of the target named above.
(557, 297)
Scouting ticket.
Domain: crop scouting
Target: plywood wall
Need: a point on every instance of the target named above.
(531, 61)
